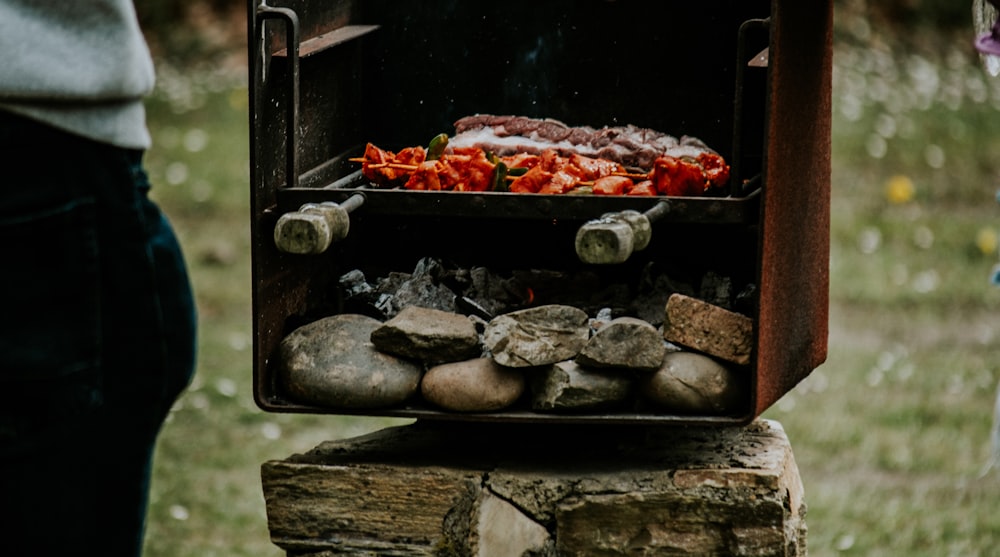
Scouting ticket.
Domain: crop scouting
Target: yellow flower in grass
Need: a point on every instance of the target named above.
(899, 189)
(987, 241)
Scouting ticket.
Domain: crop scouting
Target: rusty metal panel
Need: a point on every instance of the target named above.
(794, 266)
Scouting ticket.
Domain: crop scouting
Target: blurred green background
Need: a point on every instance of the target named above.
(891, 435)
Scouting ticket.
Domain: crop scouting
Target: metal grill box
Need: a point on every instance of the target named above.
(749, 78)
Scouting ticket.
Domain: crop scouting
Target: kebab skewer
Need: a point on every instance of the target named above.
(685, 170)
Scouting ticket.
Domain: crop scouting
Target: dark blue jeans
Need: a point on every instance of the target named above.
(97, 340)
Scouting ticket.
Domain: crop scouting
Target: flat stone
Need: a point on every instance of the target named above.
(332, 363)
(537, 336)
(430, 335)
(566, 386)
(624, 342)
(477, 385)
(437, 488)
(690, 383)
(710, 329)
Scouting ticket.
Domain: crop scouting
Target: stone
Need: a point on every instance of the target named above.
(430, 335)
(332, 363)
(690, 383)
(624, 342)
(537, 336)
(504, 531)
(366, 509)
(494, 293)
(436, 488)
(477, 385)
(566, 386)
(707, 328)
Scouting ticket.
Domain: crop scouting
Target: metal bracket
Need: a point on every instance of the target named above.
(291, 20)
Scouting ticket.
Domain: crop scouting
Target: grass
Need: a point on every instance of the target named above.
(891, 434)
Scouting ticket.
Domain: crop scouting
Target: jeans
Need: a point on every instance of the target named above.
(97, 340)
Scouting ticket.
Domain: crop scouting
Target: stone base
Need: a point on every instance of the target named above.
(497, 490)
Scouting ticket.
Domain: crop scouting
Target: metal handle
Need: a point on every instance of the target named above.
(315, 226)
(614, 237)
(291, 20)
(735, 187)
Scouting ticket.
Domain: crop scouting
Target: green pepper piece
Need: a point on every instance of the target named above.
(517, 171)
(436, 147)
(500, 177)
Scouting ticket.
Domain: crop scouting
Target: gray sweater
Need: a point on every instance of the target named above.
(79, 65)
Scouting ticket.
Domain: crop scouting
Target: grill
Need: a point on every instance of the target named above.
(749, 78)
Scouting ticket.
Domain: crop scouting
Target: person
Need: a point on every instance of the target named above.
(97, 317)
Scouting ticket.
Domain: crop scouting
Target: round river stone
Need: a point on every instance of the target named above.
(332, 362)
(692, 383)
(477, 385)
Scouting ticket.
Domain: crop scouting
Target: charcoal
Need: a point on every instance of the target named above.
(716, 289)
(470, 307)
(494, 293)
(745, 301)
(655, 288)
(419, 291)
(429, 267)
(583, 289)
(354, 283)
(360, 296)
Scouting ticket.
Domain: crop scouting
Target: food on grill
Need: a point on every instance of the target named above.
(506, 135)
(525, 155)
(679, 176)
(613, 185)
(456, 170)
(630, 146)
(390, 170)
(551, 173)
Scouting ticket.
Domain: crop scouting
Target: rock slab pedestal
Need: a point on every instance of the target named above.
(520, 490)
